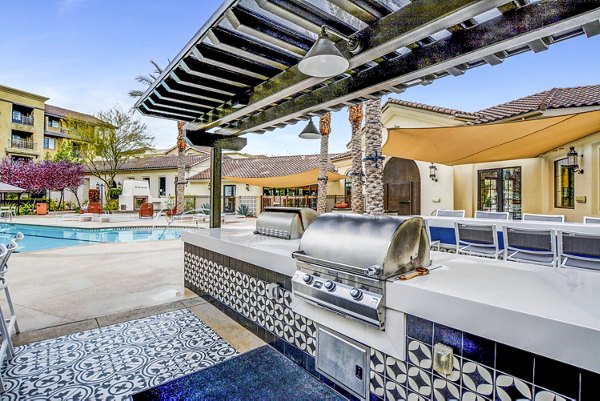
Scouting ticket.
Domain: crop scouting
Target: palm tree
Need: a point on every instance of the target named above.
(181, 144)
(373, 158)
(355, 117)
(325, 130)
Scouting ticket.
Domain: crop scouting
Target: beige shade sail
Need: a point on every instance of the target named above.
(286, 181)
(7, 188)
(490, 142)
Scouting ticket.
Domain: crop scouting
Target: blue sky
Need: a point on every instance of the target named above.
(85, 54)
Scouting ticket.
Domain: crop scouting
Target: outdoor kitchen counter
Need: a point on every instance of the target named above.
(548, 311)
(241, 243)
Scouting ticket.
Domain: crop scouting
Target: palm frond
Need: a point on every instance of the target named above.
(135, 93)
(157, 69)
(146, 80)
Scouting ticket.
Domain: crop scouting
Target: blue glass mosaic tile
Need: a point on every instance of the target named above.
(479, 349)
(515, 362)
(419, 329)
(448, 336)
(556, 376)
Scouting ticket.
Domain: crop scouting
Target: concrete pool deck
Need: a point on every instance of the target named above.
(66, 285)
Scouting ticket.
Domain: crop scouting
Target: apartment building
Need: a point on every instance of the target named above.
(31, 129)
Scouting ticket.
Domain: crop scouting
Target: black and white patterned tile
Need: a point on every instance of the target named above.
(114, 361)
(419, 381)
(419, 354)
(509, 388)
(478, 378)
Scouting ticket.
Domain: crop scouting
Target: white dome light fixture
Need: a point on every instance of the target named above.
(310, 131)
(324, 60)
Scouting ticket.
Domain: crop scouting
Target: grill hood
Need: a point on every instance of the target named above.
(376, 246)
(284, 222)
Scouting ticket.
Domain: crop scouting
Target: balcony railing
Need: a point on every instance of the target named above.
(21, 143)
(25, 120)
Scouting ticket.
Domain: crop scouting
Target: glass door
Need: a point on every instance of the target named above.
(499, 190)
(229, 198)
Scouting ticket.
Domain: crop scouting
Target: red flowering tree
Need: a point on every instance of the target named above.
(43, 176)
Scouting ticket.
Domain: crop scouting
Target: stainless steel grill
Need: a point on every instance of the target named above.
(344, 260)
(284, 222)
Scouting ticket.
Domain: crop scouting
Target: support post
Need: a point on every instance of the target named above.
(216, 154)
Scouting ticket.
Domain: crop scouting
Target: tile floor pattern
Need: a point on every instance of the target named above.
(112, 362)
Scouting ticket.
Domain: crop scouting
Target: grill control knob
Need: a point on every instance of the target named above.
(308, 278)
(329, 285)
(356, 293)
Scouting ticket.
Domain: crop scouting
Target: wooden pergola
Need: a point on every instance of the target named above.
(239, 74)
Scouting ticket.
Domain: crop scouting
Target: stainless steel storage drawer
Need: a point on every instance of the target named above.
(344, 361)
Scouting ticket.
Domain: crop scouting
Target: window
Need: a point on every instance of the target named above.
(348, 186)
(49, 143)
(500, 191)
(147, 179)
(564, 185)
(162, 186)
(53, 123)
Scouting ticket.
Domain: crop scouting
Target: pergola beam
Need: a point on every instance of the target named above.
(525, 25)
(409, 24)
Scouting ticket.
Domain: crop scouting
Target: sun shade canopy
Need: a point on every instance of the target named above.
(239, 73)
(490, 142)
(288, 181)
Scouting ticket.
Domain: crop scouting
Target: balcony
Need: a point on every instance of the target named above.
(22, 119)
(20, 143)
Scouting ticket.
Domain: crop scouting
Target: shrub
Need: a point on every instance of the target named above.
(190, 203)
(244, 210)
(205, 206)
(114, 193)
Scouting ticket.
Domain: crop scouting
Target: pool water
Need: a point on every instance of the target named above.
(48, 237)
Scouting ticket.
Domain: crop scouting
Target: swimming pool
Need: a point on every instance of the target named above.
(47, 237)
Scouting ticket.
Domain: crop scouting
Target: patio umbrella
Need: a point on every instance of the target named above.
(490, 142)
(7, 188)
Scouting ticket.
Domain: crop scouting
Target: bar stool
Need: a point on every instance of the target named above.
(6, 325)
(12, 246)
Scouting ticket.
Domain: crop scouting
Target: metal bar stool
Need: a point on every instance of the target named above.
(12, 246)
(6, 346)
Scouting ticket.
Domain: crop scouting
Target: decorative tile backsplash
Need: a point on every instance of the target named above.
(483, 370)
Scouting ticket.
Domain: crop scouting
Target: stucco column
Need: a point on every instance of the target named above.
(325, 130)
(373, 158)
(356, 117)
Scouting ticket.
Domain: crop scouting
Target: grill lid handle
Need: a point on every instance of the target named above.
(366, 271)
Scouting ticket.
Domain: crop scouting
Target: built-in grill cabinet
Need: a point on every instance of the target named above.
(284, 222)
(344, 259)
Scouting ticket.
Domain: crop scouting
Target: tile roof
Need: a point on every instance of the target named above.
(428, 107)
(66, 113)
(162, 162)
(269, 166)
(556, 98)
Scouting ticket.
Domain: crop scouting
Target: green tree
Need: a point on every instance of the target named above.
(66, 152)
(106, 147)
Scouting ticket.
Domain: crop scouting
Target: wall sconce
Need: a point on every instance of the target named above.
(433, 172)
(247, 187)
(573, 160)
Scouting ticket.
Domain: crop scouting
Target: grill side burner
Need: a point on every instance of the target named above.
(344, 260)
(284, 222)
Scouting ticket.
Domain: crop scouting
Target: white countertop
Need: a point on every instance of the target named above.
(241, 243)
(549, 311)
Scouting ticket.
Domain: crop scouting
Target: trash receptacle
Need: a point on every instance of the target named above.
(41, 208)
